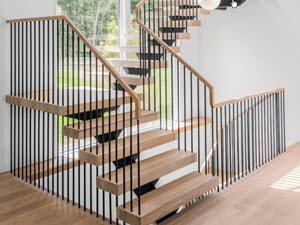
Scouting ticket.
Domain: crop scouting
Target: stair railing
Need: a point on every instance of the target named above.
(215, 131)
(63, 103)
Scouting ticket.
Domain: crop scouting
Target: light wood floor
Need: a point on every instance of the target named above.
(269, 196)
(25, 205)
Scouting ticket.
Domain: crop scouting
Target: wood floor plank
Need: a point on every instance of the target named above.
(21, 203)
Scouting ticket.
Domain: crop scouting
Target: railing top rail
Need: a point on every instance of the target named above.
(191, 69)
(97, 54)
(230, 102)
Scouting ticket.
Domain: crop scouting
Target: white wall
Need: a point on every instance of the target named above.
(13, 9)
(251, 49)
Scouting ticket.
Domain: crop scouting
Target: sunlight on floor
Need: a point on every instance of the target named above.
(290, 181)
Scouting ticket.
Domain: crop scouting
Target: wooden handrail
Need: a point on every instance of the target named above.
(191, 69)
(107, 65)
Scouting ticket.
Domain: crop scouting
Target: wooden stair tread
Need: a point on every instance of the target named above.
(177, 12)
(164, 200)
(180, 36)
(134, 63)
(62, 108)
(130, 79)
(151, 169)
(77, 131)
(174, 2)
(148, 140)
(135, 49)
(171, 24)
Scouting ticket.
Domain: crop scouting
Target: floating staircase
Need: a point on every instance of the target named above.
(114, 118)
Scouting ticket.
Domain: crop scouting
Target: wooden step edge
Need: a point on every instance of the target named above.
(63, 110)
(151, 169)
(145, 144)
(129, 63)
(178, 12)
(138, 81)
(190, 124)
(178, 36)
(133, 49)
(173, 24)
(191, 187)
(74, 132)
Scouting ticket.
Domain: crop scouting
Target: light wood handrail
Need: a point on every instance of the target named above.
(191, 69)
(107, 65)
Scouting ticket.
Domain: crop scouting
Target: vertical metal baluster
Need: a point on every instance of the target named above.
(97, 135)
(238, 139)
(212, 141)
(230, 144)
(109, 143)
(248, 138)
(53, 101)
(124, 156)
(102, 132)
(131, 159)
(11, 92)
(198, 115)
(274, 124)
(30, 111)
(184, 103)
(217, 141)
(39, 99)
(191, 85)
(233, 144)
(79, 119)
(58, 102)
(68, 112)
(48, 101)
(284, 134)
(73, 113)
(226, 147)
(91, 133)
(259, 128)
(63, 103)
(15, 94)
(271, 126)
(205, 128)
(22, 90)
(116, 145)
(268, 128)
(26, 96)
(264, 138)
(84, 124)
(44, 89)
(242, 136)
(178, 104)
(222, 146)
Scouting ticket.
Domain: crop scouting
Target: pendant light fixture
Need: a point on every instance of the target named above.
(209, 4)
(234, 4)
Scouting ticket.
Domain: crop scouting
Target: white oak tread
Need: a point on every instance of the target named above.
(174, 2)
(164, 200)
(148, 140)
(40, 101)
(131, 79)
(135, 63)
(135, 49)
(151, 169)
(173, 24)
(78, 132)
(177, 12)
(180, 36)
